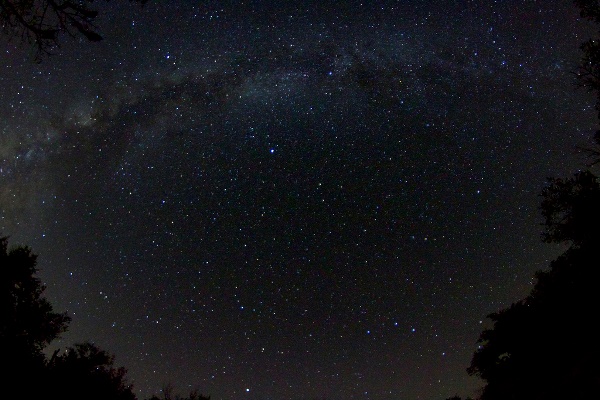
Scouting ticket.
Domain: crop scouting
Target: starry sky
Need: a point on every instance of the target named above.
(292, 200)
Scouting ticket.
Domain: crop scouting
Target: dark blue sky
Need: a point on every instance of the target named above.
(297, 201)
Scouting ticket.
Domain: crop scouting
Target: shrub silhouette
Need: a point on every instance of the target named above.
(28, 324)
(86, 372)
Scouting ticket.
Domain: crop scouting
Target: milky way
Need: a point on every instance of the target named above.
(284, 202)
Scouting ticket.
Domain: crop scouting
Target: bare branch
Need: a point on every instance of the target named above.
(40, 22)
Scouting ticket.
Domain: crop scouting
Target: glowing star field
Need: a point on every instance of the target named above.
(292, 200)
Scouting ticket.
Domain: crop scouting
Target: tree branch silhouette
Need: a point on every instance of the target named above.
(41, 22)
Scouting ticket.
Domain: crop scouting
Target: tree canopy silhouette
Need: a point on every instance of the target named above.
(168, 394)
(588, 73)
(545, 346)
(87, 372)
(571, 210)
(41, 22)
(28, 324)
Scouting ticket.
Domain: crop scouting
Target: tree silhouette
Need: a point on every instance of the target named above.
(571, 210)
(545, 346)
(40, 22)
(588, 73)
(457, 398)
(27, 321)
(168, 390)
(28, 325)
(86, 372)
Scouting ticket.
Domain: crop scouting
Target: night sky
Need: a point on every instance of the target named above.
(292, 200)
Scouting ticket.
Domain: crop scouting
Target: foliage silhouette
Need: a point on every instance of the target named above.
(40, 22)
(168, 390)
(545, 347)
(457, 398)
(571, 210)
(28, 325)
(588, 73)
(86, 372)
